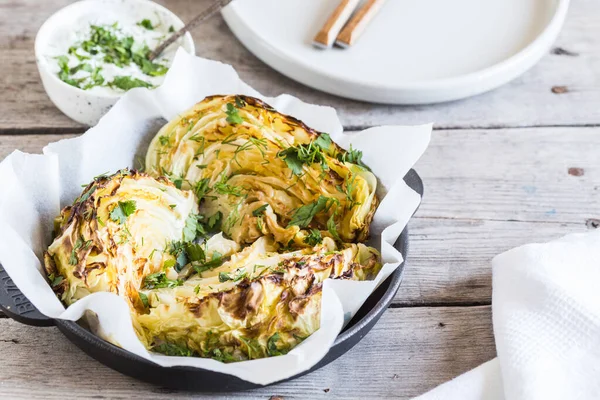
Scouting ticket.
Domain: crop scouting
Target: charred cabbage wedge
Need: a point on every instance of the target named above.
(265, 173)
(221, 248)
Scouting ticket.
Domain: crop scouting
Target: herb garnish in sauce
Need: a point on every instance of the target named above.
(104, 45)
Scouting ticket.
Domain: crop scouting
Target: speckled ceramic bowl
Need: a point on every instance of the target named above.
(81, 105)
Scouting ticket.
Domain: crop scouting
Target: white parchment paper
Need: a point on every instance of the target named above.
(36, 187)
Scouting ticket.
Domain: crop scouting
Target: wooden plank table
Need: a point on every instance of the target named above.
(509, 167)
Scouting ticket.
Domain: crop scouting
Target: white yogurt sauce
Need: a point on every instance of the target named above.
(127, 25)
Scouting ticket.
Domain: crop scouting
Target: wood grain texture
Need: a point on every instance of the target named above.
(527, 101)
(407, 353)
(486, 191)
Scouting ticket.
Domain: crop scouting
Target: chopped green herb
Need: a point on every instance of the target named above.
(164, 140)
(144, 299)
(127, 82)
(159, 280)
(354, 157)
(331, 227)
(233, 117)
(253, 347)
(303, 216)
(260, 210)
(55, 281)
(170, 263)
(350, 186)
(273, 349)
(323, 141)
(224, 277)
(216, 261)
(296, 157)
(222, 187)
(221, 355)
(146, 23)
(239, 102)
(106, 43)
(172, 349)
(236, 277)
(122, 210)
(214, 221)
(192, 227)
(313, 238)
(171, 29)
(201, 188)
(195, 252)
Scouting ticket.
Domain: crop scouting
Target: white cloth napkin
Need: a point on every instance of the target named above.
(546, 315)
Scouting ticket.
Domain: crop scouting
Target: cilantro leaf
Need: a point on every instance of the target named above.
(195, 252)
(233, 117)
(214, 221)
(296, 156)
(323, 141)
(192, 227)
(303, 215)
(122, 210)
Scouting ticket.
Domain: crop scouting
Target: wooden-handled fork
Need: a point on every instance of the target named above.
(334, 23)
(357, 24)
(332, 30)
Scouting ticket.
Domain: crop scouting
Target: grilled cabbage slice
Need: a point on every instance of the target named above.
(259, 303)
(265, 173)
(108, 240)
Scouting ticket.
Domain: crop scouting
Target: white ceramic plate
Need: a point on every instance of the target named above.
(413, 52)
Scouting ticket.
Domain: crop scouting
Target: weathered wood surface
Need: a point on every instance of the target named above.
(410, 351)
(486, 191)
(571, 69)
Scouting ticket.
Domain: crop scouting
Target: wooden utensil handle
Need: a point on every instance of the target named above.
(334, 23)
(357, 24)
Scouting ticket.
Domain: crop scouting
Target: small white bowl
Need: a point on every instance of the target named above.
(81, 105)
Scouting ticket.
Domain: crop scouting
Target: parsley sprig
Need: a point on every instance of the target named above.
(312, 153)
(304, 215)
(122, 210)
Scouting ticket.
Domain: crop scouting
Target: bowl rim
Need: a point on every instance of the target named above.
(47, 26)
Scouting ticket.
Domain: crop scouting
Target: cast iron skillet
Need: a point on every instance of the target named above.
(17, 306)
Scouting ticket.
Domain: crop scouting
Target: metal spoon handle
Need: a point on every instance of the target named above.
(204, 15)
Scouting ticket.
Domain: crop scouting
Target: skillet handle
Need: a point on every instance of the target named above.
(414, 181)
(16, 306)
